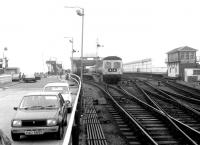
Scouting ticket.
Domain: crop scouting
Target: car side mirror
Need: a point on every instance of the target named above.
(15, 108)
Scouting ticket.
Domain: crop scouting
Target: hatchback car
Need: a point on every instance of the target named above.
(28, 77)
(63, 88)
(40, 113)
(37, 76)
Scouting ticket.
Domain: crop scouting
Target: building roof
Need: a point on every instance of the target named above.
(139, 61)
(112, 58)
(184, 48)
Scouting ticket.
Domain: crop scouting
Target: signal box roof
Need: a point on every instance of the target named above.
(184, 48)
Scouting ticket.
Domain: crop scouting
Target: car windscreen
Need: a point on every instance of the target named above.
(39, 101)
(60, 89)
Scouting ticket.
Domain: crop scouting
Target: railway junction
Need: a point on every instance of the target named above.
(141, 110)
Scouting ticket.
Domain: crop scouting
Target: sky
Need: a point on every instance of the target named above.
(38, 30)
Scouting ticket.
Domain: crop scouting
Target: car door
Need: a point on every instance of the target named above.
(64, 107)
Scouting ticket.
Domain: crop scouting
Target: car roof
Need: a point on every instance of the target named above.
(42, 93)
(57, 84)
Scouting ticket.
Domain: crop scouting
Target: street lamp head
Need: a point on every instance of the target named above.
(71, 41)
(5, 48)
(80, 13)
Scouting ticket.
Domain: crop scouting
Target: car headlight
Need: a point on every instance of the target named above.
(51, 122)
(16, 123)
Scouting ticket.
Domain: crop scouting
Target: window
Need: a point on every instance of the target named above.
(60, 89)
(117, 65)
(37, 100)
(196, 72)
(107, 65)
(187, 55)
(182, 55)
(192, 55)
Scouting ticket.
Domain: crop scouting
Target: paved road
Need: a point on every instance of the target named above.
(11, 97)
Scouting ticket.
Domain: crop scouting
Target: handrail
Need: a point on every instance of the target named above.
(67, 138)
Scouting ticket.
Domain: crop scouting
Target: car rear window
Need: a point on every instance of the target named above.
(60, 89)
(40, 101)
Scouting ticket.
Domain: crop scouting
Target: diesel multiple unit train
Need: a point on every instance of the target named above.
(109, 70)
(112, 69)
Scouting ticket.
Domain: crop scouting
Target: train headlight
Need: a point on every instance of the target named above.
(51, 122)
(16, 123)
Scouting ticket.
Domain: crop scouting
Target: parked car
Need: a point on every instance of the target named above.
(29, 77)
(4, 140)
(16, 77)
(37, 76)
(63, 88)
(40, 113)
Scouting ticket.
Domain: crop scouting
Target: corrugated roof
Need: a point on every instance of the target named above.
(184, 48)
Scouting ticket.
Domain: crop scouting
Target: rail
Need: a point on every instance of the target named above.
(67, 138)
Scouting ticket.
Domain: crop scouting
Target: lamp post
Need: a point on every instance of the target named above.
(71, 40)
(80, 12)
(5, 61)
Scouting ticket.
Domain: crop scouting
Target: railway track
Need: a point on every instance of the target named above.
(178, 95)
(183, 89)
(192, 102)
(186, 133)
(158, 126)
(133, 133)
(182, 114)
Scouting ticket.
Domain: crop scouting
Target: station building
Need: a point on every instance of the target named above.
(180, 60)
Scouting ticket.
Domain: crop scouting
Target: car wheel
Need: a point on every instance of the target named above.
(15, 136)
(60, 133)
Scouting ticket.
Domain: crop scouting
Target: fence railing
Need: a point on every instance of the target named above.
(68, 134)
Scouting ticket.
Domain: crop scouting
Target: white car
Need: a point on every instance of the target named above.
(16, 77)
(63, 88)
(29, 77)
